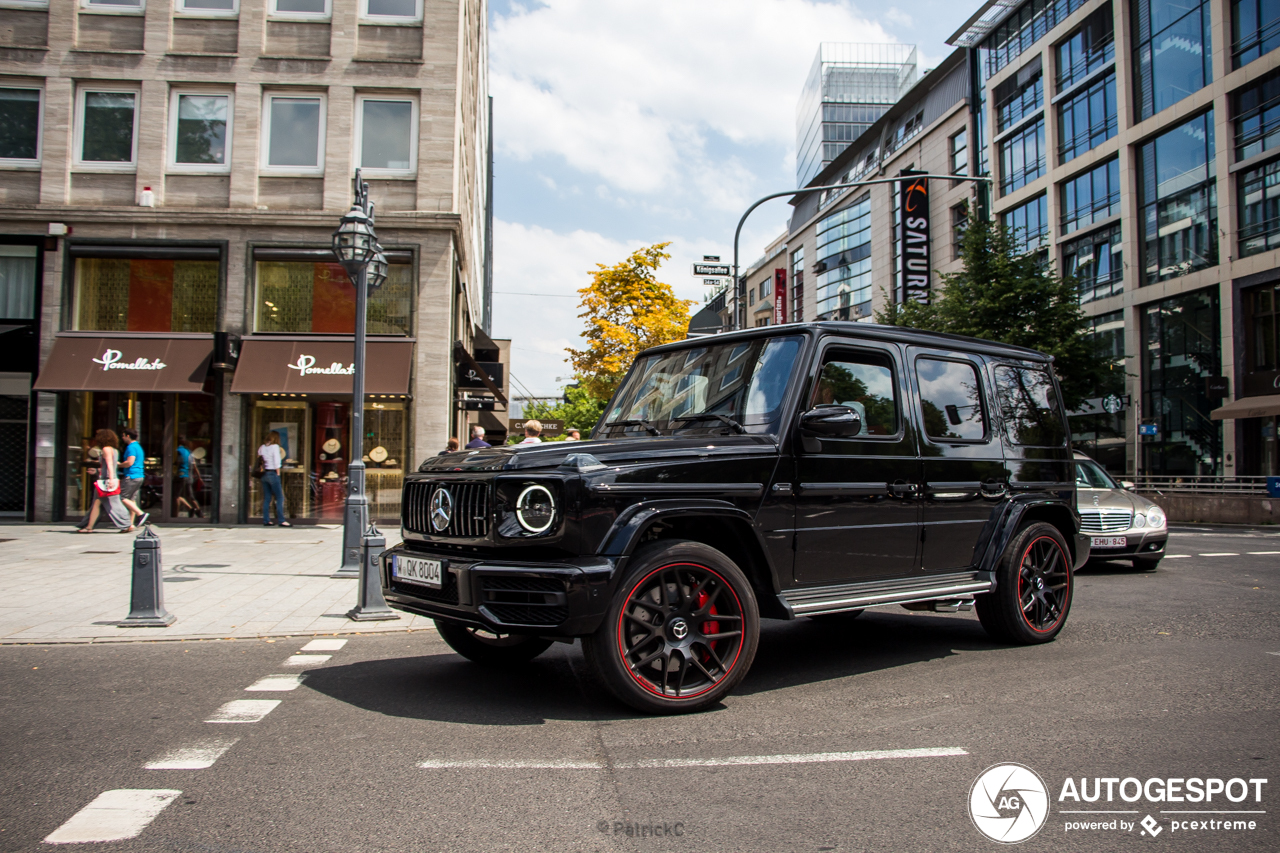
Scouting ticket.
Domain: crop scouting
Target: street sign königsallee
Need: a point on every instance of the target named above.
(710, 270)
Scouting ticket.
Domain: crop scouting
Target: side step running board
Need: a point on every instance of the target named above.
(810, 601)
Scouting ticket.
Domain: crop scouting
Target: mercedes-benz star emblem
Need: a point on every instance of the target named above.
(441, 509)
(680, 629)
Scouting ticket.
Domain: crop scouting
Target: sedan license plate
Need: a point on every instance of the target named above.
(1109, 542)
(424, 572)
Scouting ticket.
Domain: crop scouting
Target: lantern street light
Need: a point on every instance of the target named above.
(356, 245)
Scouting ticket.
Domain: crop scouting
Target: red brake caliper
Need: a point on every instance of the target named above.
(712, 627)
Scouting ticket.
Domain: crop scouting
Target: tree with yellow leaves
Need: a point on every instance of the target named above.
(626, 310)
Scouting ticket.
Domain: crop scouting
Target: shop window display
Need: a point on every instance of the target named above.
(319, 298)
(315, 435)
(145, 295)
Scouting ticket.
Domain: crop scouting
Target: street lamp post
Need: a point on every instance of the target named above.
(737, 285)
(356, 245)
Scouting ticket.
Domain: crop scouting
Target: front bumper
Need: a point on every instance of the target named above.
(560, 599)
(1139, 543)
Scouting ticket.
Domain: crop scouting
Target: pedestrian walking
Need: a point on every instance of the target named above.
(477, 438)
(132, 474)
(271, 457)
(106, 489)
(532, 431)
(450, 446)
(185, 482)
(574, 435)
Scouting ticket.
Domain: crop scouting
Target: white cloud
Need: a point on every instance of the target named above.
(638, 93)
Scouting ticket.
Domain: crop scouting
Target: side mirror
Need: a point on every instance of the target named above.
(953, 414)
(1125, 484)
(831, 421)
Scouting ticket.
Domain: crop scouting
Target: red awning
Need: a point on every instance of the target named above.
(140, 363)
(320, 366)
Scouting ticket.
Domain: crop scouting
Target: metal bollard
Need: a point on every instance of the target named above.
(146, 604)
(372, 607)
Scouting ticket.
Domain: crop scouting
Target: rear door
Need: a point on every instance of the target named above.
(1035, 431)
(856, 512)
(962, 459)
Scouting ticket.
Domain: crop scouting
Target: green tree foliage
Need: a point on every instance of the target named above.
(579, 410)
(1006, 295)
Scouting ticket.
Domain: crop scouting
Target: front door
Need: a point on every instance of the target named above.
(965, 481)
(857, 517)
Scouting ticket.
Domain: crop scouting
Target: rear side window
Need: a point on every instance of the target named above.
(1029, 405)
(951, 400)
(863, 382)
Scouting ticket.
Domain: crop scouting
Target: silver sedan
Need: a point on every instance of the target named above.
(1121, 523)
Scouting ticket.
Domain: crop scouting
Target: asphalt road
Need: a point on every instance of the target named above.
(1164, 675)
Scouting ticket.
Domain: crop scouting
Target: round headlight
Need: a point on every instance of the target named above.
(536, 509)
(1139, 520)
(1155, 517)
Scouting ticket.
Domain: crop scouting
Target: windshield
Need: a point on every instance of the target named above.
(1089, 475)
(743, 382)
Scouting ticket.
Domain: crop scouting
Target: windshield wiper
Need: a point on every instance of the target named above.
(697, 416)
(641, 422)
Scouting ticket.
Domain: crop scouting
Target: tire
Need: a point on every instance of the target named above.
(489, 649)
(1034, 587)
(658, 650)
(836, 618)
(1146, 564)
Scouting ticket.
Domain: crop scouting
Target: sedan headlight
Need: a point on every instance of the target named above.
(1155, 517)
(1139, 521)
(536, 509)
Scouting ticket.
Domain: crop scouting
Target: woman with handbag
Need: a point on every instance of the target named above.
(106, 489)
(267, 469)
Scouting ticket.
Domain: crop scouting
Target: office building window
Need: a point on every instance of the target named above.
(1090, 47)
(18, 282)
(1023, 28)
(388, 135)
(960, 153)
(300, 8)
(1172, 52)
(1255, 29)
(959, 221)
(392, 10)
(115, 5)
(1087, 119)
(208, 7)
(1179, 201)
(1028, 224)
(1260, 209)
(199, 132)
(797, 285)
(107, 128)
(1019, 96)
(1022, 158)
(844, 263)
(1257, 118)
(304, 296)
(20, 125)
(1096, 263)
(1182, 343)
(293, 138)
(1091, 196)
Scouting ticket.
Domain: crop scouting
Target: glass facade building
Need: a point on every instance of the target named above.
(844, 263)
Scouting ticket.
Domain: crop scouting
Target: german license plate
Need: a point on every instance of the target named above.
(414, 570)
(1109, 542)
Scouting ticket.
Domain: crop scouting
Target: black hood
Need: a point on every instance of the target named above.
(553, 454)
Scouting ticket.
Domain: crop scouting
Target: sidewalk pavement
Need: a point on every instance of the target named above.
(57, 586)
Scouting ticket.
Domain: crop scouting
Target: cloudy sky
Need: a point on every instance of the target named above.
(620, 123)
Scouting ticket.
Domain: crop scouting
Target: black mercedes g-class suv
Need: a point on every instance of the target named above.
(799, 470)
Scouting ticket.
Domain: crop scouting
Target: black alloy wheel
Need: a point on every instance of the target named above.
(1034, 585)
(489, 648)
(681, 632)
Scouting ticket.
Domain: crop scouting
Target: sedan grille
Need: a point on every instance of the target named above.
(470, 502)
(1105, 520)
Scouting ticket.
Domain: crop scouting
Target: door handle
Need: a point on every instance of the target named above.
(902, 489)
(995, 489)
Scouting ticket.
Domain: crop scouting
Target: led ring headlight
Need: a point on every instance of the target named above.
(536, 509)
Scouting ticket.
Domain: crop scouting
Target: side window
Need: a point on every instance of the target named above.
(951, 400)
(1029, 406)
(863, 382)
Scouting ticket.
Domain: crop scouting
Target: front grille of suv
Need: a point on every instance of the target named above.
(470, 518)
(1105, 520)
(524, 601)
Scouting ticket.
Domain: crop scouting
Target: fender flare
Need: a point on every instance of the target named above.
(1011, 520)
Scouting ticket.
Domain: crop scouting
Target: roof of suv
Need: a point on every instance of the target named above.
(871, 331)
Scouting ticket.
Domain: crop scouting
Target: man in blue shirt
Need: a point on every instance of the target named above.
(132, 474)
(477, 438)
(186, 487)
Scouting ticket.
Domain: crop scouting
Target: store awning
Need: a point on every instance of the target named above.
(320, 366)
(1248, 407)
(140, 363)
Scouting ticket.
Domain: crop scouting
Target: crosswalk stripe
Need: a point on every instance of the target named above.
(113, 816)
(306, 660)
(243, 711)
(273, 683)
(198, 756)
(324, 645)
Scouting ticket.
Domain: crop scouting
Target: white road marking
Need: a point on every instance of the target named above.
(113, 816)
(243, 711)
(195, 757)
(1273, 653)
(276, 682)
(1223, 554)
(335, 645)
(306, 660)
(1176, 556)
(1264, 552)
(670, 763)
